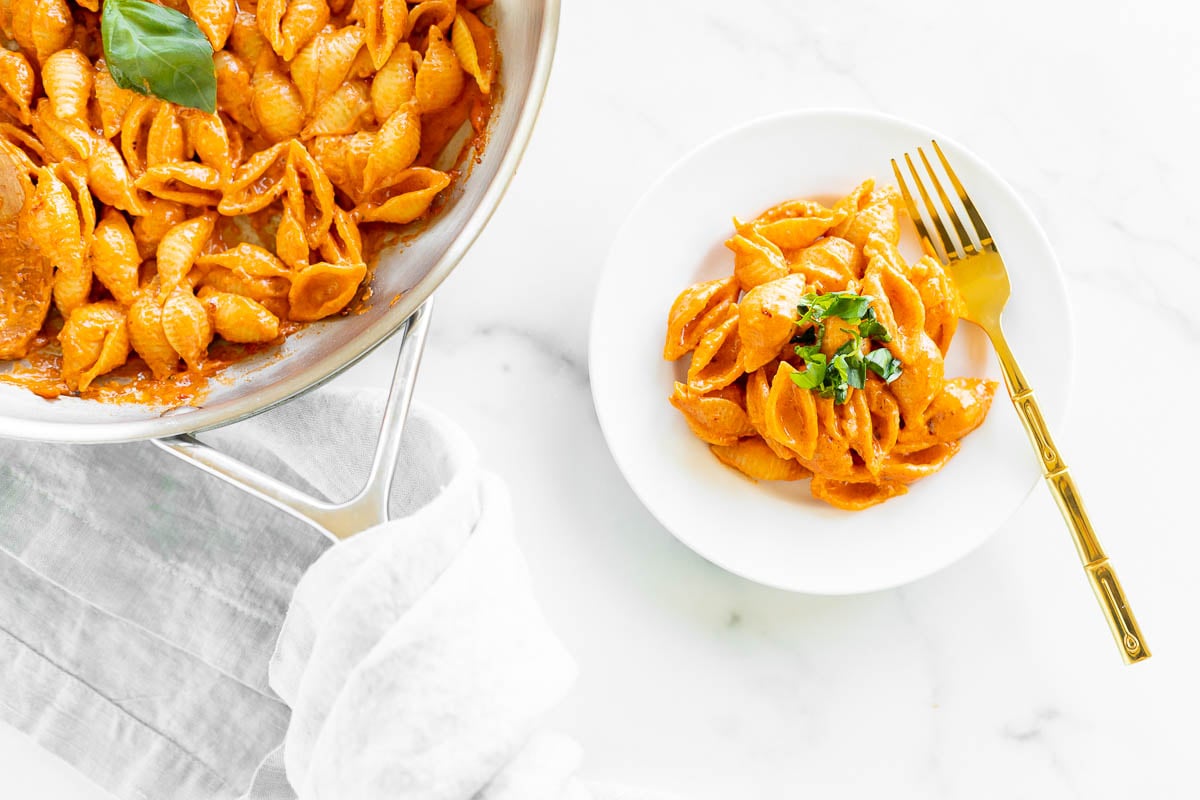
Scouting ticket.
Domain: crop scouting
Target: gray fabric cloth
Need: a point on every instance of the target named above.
(140, 599)
(171, 636)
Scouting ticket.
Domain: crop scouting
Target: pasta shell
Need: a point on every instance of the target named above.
(848, 207)
(290, 241)
(695, 311)
(756, 260)
(343, 112)
(115, 259)
(344, 244)
(308, 194)
(51, 27)
(256, 183)
(406, 200)
(214, 18)
(206, 134)
(386, 23)
(909, 467)
(67, 80)
(135, 129)
(240, 319)
(324, 64)
(111, 100)
(246, 40)
(322, 289)
(277, 105)
(149, 228)
(186, 325)
(854, 496)
(439, 79)
(178, 251)
(288, 25)
(885, 413)
(758, 388)
(64, 140)
(110, 180)
(248, 259)
(715, 420)
(147, 337)
(395, 148)
(94, 341)
(164, 141)
(26, 287)
(439, 13)
(795, 224)
(880, 216)
(717, 361)
(790, 414)
(234, 95)
(475, 45)
(343, 159)
(768, 319)
(271, 292)
(943, 306)
(52, 221)
(26, 148)
(17, 83)
(959, 408)
(753, 458)
(184, 182)
(828, 265)
(394, 84)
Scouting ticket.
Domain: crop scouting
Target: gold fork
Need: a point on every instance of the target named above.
(978, 270)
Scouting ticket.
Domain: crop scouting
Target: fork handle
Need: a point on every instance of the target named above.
(1100, 573)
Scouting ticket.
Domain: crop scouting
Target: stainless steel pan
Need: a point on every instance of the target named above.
(527, 30)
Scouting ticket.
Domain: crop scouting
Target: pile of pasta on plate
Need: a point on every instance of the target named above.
(822, 355)
(175, 172)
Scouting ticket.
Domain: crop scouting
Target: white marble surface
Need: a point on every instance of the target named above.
(993, 679)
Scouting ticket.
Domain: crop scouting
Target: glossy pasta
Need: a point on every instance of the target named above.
(147, 230)
(813, 288)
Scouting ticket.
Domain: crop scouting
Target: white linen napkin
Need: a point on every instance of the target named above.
(172, 637)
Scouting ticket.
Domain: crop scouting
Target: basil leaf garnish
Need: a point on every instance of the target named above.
(158, 51)
(883, 363)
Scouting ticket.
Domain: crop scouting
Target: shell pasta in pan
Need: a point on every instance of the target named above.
(173, 174)
(822, 356)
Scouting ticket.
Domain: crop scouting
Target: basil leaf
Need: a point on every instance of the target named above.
(813, 375)
(847, 305)
(837, 373)
(856, 373)
(852, 346)
(810, 352)
(883, 363)
(869, 327)
(158, 51)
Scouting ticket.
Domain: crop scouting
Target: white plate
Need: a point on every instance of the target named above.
(776, 533)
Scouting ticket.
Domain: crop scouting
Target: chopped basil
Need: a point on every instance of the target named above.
(847, 369)
(883, 363)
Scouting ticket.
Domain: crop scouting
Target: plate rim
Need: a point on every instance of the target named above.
(1056, 421)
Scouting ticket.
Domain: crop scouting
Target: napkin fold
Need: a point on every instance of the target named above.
(170, 636)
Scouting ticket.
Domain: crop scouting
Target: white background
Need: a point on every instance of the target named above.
(994, 679)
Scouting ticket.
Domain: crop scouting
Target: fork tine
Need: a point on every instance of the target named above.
(914, 214)
(943, 234)
(964, 238)
(985, 237)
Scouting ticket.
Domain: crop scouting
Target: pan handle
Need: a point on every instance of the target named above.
(367, 508)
